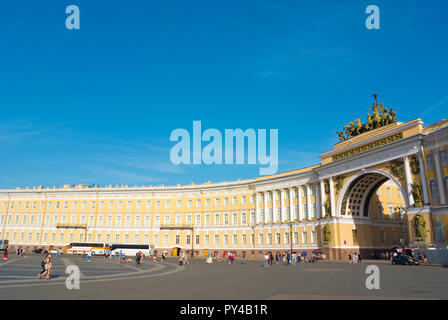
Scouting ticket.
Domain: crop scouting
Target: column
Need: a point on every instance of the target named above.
(282, 200)
(333, 209)
(291, 204)
(322, 198)
(299, 202)
(265, 206)
(438, 168)
(257, 209)
(407, 171)
(274, 207)
(308, 201)
(318, 205)
(423, 176)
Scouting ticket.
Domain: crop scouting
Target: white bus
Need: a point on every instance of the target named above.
(81, 247)
(129, 250)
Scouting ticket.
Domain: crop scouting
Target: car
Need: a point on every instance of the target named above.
(55, 251)
(404, 259)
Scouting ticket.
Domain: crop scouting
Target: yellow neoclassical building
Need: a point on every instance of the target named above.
(377, 188)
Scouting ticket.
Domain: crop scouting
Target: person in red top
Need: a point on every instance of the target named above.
(5, 255)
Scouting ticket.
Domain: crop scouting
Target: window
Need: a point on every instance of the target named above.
(234, 201)
(157, 220)
(446, 185)
(148, 204)
(98, 237)
(178, 217)
(158, 204)
(380, 210)
(243, 200)
(277, 238)
(216, 239)
(120, 204)
(226, 201)
(430, 161)
(117, 238)
(139, 204)
(313, 190)
(296, 212)
(383, 236)
(313, 237)
(177, 239)
(136, 238)
(271, 215)
(198, 203)
(217, 218)
(207, 203)
(295, 236)
(189, 203)
(235, 218)
(226, 218)
(207, 219)
(391, 211)
(305, 210)
(137, 220)
(118, 220)
(217, 202)
(146, 239)
(235, 240)
(304, 192)
(189, 219)
(126, 238)
(167, 204)
(226, 240)
(304, 237)
(243, 239)
(109, 220)
(443, 158)
(434, 191)
(111, 204)
(179, 204)
(243, 218)
(198, 239)
(147, 219)
(188, 239)
(279, 214)
(167, 219)
(207, 239)
(287, 237)
(156, 239)
(314, 210)
(92, 205)
(129, 206)
(198, 219)
(102, 205)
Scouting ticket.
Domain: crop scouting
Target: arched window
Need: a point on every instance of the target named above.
(434, 191)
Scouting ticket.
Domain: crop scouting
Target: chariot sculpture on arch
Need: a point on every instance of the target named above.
(380, 117)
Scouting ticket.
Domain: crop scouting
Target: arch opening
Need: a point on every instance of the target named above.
(361, 191)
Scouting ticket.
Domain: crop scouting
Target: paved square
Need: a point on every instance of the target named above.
(108, 279)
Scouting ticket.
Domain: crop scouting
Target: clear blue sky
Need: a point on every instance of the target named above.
(97, 105)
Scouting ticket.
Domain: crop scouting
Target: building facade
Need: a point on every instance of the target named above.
(383, 188)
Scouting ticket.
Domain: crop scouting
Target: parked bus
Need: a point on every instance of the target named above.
(81, 247)
(129, 250)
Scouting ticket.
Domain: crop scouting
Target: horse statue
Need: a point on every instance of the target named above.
(341, 136)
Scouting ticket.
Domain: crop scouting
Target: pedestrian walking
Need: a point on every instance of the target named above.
(89, 256)
(5, 255)
(244, 257)
(46, 267)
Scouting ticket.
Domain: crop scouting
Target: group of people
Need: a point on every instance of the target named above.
(287, 258)
(229, 257)
(354, 257)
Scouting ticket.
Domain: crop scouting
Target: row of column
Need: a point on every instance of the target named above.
(320, 200)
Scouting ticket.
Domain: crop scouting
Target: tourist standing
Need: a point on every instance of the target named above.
(266, 260)
(244, 257)
(5, 255)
